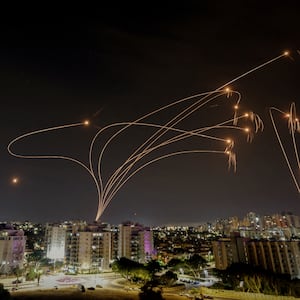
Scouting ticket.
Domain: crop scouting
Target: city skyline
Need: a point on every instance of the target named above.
(116, 67)
(280, 217)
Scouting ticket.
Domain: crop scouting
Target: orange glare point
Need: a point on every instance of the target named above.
(87, 122)
(15, 180)
(228, 141)
(246, 115)
(286, 53)
(247, 129)
(236, 107)
(287, 115)
(227, 90)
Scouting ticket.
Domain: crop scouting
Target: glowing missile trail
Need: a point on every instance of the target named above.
(179, 117)
(137, 161)
(205, 95)
(160, 158)
(293, 127)
(145, 150)
(114, 178)
(85, 123)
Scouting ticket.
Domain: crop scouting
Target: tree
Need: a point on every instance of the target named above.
(17, 271)
(4, 294)
(153, 266)
(122, 266)
(140, 274)
(175, 264)
(256, 280)
(150, 292)
(195, 265)
(38, 273)
(130, 269)
(169, 278)
(234, 274)
(253, 283)
(35, 256)
(34, 272)
(30, 275)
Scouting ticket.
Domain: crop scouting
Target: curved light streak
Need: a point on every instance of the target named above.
(107, 190)
(185, 113)
(165, 127)
(52, 156)
(116, 177)
(138, 120)
(160, 158)
(282, 146)
(205, 95)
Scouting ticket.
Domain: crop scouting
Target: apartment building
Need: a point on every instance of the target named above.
(88, 251)
(281, 257)
(135, 242)
(12, 249)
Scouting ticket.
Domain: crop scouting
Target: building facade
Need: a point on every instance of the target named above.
(135, 242)
(281, 257)
(12, 249)
(55, 242)
(88, 251)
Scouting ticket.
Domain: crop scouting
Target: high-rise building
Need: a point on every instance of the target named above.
(222, 253)
(55, 242)
(145, 245)
(281, 257)
(12, 249)
(135, 242)
(88, 251)
(229, 250)
(291, 219)
(254, 221)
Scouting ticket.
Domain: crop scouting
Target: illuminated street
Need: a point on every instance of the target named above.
(105, 280)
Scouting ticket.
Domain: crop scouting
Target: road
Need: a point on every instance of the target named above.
(105, 280)
(60, 280)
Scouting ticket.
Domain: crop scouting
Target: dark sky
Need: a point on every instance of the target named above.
(117, 63)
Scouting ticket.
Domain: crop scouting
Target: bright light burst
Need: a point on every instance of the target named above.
(15, 180)
(139, 159)
(293, 127)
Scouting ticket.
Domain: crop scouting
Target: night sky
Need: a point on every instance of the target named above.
(117, 63)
